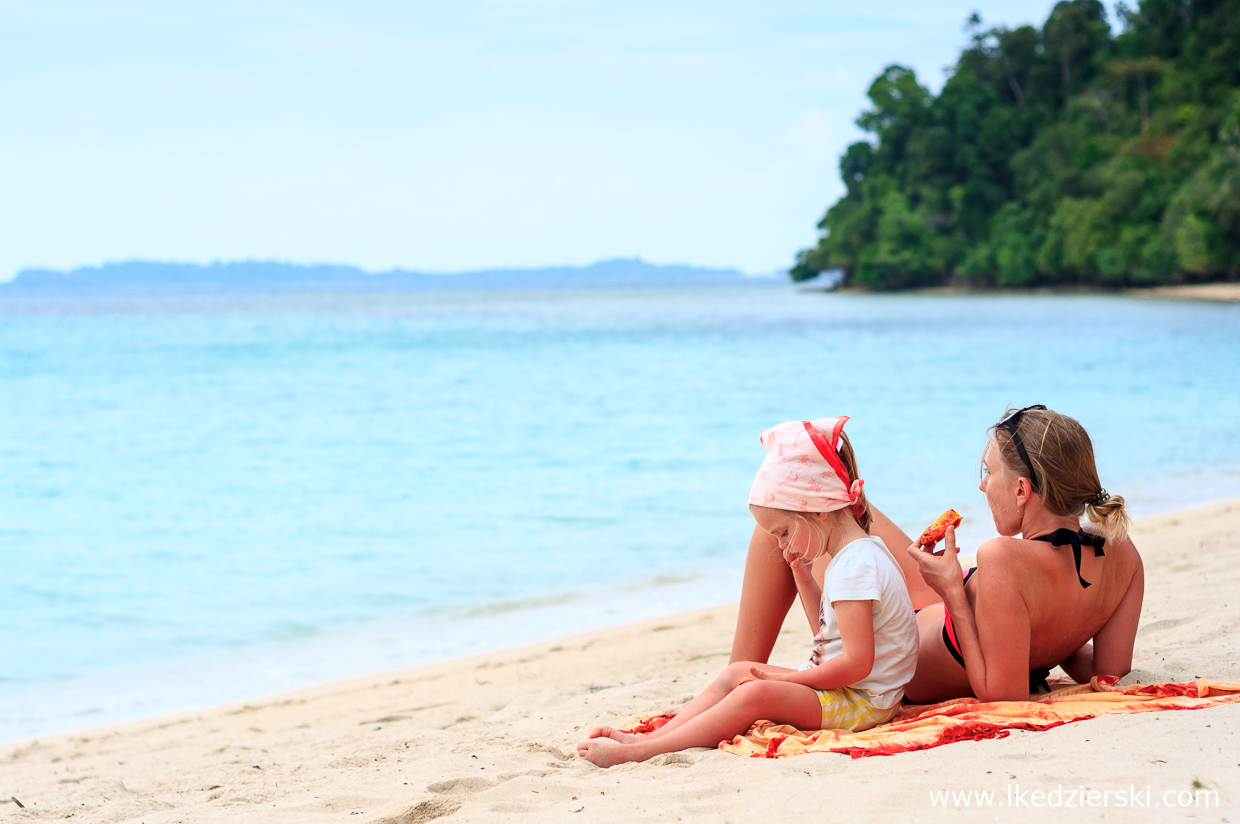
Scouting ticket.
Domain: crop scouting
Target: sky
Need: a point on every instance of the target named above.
(442, 136)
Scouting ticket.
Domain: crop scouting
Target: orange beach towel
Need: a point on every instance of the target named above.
(923, 727)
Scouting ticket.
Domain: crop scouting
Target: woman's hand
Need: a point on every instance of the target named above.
(940, 572)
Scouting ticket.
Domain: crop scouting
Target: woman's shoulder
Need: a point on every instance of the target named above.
(1121, 547)
(1026, 563)
(1010, 558)
(1002, 551)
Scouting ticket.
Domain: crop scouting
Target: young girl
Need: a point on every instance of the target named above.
(808, 496)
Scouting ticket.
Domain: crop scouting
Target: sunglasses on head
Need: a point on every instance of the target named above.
(1010, 423)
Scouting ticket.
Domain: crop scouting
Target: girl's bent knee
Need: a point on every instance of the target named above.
(756, 696)
(736, 672)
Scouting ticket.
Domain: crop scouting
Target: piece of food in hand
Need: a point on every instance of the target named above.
(938, 529)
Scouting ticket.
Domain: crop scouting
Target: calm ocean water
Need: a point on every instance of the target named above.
(207, 499)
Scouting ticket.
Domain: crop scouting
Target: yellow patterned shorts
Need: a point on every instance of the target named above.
(849, 709)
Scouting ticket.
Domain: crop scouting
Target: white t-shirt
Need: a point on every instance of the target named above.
(865, 570)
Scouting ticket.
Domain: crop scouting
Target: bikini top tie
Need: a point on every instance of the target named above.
(1063, 537)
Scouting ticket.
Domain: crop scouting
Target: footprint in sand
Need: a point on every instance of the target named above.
(427, 810)
(460, 786)
(555, 752)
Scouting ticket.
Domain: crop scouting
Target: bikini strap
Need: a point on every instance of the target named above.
(949, 629)
(1063, 537)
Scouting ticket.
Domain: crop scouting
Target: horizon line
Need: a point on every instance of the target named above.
(296, 264)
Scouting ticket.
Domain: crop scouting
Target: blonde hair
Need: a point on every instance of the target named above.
(849, 458)
(1064, 472)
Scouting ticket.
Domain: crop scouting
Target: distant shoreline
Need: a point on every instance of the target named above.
(156, 278)
(1216, 292)
(1225, 292)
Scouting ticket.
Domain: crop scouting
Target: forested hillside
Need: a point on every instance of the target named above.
(1052, 156)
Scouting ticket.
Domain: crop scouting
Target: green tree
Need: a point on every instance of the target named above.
(1055, 155)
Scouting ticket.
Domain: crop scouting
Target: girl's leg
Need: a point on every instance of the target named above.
(716, 691)
(918, 590)
(776, 701)
(719, 689)
(766, 595)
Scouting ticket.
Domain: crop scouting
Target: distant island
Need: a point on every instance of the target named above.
(146, 277)
(1054, 156)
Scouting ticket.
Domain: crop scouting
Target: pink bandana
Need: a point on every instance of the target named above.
(803, 471)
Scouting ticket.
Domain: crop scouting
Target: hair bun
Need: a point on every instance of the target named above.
(1098, 498)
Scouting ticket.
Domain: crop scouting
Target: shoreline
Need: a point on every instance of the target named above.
(1208, 292)
(372, 651)
(493, 734)
(294, 667)
(1218, 292)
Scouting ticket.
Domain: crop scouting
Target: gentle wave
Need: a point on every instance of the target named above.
(205, 499)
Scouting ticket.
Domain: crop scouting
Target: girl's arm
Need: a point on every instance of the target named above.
(852, 665)
(807, 588)
(996, 646)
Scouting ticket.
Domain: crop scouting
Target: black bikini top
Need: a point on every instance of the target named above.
(1063, 537)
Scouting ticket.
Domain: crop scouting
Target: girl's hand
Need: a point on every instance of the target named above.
(940, 572)
(802, 568)
(758, 675)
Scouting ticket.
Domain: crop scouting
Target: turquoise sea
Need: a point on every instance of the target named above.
(208, 499)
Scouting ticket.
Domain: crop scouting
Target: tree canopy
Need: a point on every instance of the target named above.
(1052, 156)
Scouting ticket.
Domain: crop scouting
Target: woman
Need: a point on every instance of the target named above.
(1032, 603)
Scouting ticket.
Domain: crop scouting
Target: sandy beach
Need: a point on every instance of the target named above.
(493, 736)
(1215, 292)
(1224, 292)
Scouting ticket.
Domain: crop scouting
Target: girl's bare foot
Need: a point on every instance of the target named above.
(673, 710)
(604, 752)
(614, 734)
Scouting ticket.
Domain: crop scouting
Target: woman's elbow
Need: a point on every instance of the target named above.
(1113, 670)
(1011, 692)
(1116, 663)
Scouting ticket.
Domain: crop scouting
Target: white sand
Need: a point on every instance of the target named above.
(493, 737)
(1225, 292)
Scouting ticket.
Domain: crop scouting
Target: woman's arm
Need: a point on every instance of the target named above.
(1080, 664)
(994, 639)
(1113, 644)
(1111, 651)
(856, 623)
